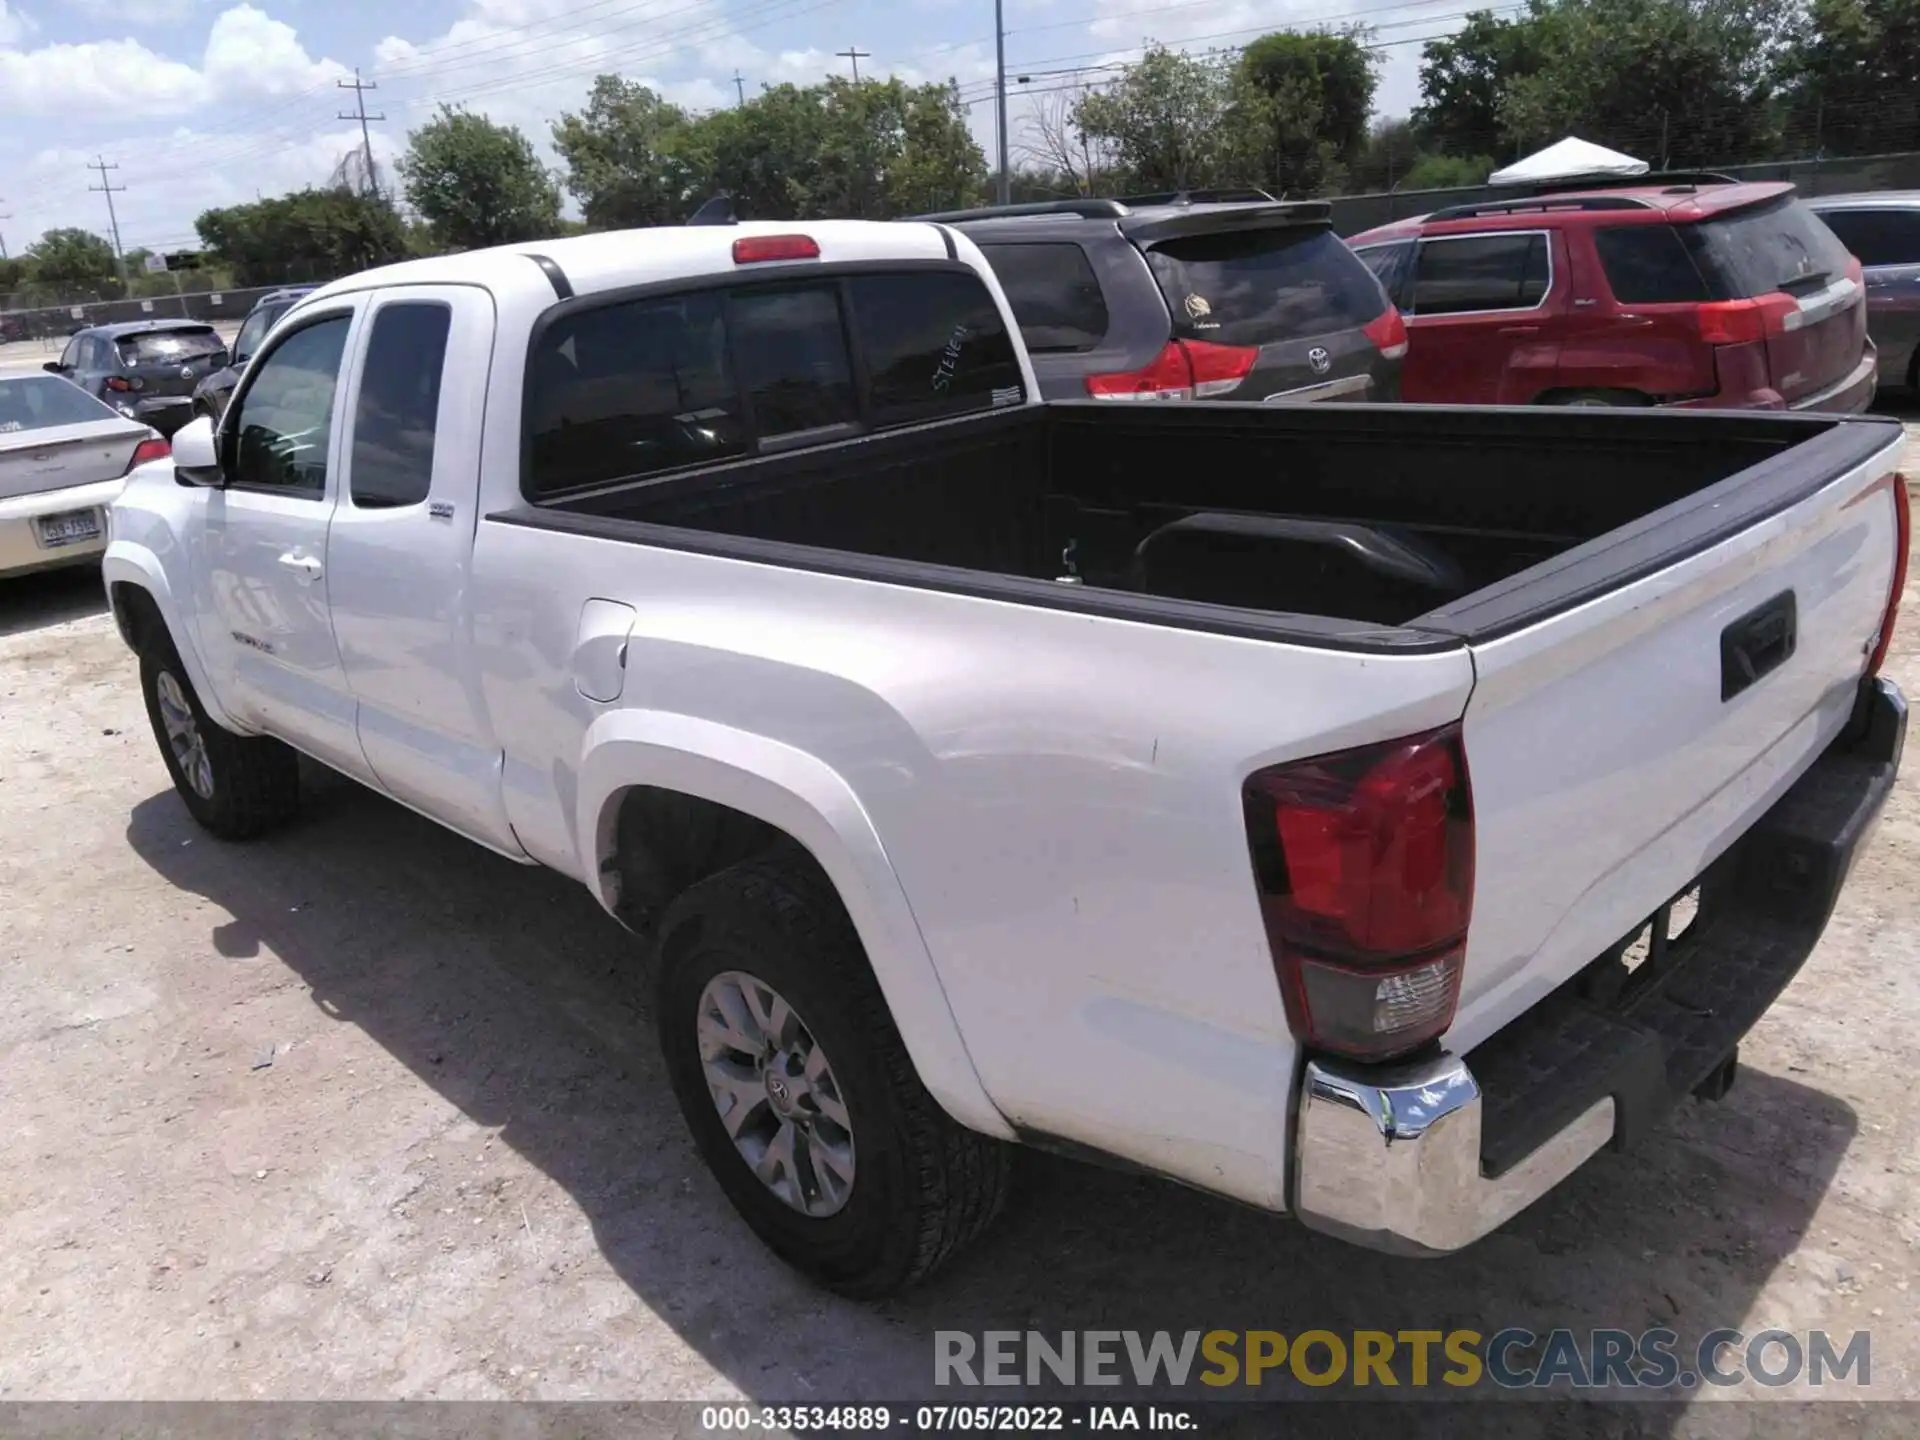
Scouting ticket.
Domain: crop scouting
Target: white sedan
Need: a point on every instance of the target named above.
(63, 458)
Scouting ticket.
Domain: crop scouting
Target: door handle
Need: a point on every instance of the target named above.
(305, 566)
(1519, 329)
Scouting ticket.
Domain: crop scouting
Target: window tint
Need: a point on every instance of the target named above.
(30, 402)
(934, 345)
(1246, 287)
(1480, 272)
(1054, 294)
(1877, 237)
(1780, 245)
(1389, 264)
(792, 351)
(399, 405)
(282, 431)
(1648, 265)
(629, 390)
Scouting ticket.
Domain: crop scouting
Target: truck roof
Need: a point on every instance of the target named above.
(618, 259)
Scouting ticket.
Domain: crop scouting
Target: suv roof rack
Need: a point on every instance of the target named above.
(1199, 197)
(1083, 207)
(1653, 178)
(1522, 203)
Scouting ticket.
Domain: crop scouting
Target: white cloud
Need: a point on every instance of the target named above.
(248, 54)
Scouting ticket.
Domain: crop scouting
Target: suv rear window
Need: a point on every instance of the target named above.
(1245, 287)
(623, 391)
(1648, 265)
(158, 347)
(1054, 294)
(1878, 237)
(1780, 245)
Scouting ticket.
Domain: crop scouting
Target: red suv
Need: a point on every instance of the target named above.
(1669, 290)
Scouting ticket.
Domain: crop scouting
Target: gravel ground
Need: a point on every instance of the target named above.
(364, 1111)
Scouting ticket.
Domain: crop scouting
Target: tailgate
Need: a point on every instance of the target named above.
(1618, 747)
(1781, 256)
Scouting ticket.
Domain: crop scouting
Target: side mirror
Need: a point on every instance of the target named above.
(196, 454)
(54, 367)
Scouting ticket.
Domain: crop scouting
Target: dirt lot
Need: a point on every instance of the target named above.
(363, 1111)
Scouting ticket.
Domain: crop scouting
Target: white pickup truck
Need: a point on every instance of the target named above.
(1365, 813)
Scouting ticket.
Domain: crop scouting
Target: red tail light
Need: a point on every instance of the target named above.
(1745, 322)
(1364, 862)
(122, 384)
(1903, 538)
(1388, 333)
(754, 249)
(1184, 370)
(151, 449)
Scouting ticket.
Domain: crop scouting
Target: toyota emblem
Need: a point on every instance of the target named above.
(1319, 360)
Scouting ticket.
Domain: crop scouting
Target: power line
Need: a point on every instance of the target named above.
(109, 189)
(360, 88)
(856, 56)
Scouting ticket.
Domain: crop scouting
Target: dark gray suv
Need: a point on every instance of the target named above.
(1190, 297)
(1882, 231)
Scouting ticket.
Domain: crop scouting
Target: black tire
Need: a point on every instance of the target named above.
(924, 1186)
(1599, 399)
(255, 782)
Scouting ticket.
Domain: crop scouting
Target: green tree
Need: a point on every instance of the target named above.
(306, 235)
(1163, 122)
(72, 259)
(477, 183)
(623, 156)
(1302, 100)
(1465, 77)
(1850, 70)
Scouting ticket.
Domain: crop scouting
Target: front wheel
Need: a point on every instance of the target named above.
(798, 1089)
(235, 786)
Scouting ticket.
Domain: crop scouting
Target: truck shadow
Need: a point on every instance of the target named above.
(33, 602)
(512, 996)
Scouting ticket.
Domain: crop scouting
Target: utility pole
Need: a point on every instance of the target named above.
(109, 189)
(3, 240)
(1000, 92)
(856, 56)
(360, 88)
(740, 85)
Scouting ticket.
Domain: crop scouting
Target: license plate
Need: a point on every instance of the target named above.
(69, 528)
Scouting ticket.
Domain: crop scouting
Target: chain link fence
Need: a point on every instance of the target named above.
(51, 313)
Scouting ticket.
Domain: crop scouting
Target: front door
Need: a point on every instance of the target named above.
(1480, 319)
(263, 613)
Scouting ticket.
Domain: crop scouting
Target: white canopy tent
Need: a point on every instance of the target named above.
(1569, 159)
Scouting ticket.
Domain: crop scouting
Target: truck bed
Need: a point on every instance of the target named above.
(1349, 521)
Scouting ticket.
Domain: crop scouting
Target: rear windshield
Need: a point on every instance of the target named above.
(1649, 265)
(1780, 245)
(32, 403)
(159, 346)
(1247, 287)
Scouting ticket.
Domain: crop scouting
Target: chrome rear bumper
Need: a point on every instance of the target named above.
(1389, 1157)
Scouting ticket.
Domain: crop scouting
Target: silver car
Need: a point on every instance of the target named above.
(63, 458)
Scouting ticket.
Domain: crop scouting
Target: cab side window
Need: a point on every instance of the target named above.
(398, 409)
(281, 429)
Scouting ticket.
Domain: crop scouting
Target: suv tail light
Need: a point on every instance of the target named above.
(152, 448)
(1388, 333)
(122, 384)
(1903, 538)
(1745, 322)
(1184, 370)
(1364, 863)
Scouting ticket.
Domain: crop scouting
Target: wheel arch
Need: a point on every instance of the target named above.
(800, 798)
(141, 599)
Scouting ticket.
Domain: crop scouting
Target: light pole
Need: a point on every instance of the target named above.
(1000, 93)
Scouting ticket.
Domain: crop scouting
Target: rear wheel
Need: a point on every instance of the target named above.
(798, 1089)
(1598, 399)
(235, 786)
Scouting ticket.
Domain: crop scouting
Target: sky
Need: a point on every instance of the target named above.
(202, 103)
